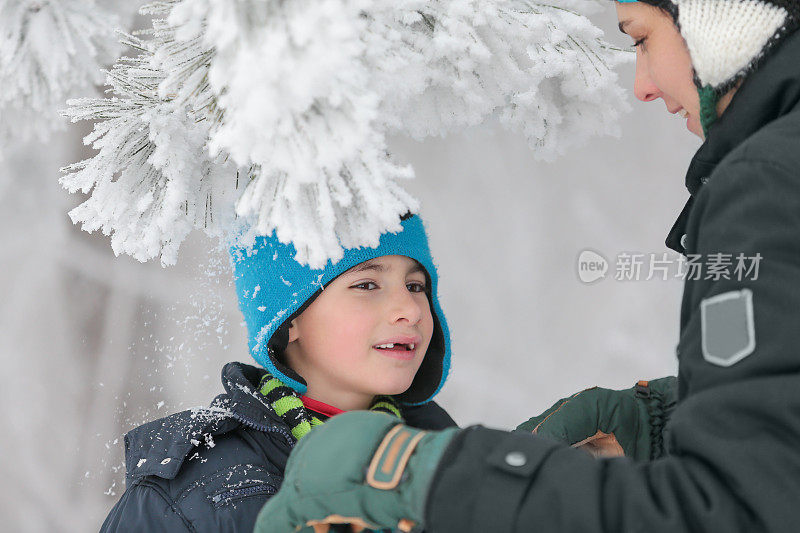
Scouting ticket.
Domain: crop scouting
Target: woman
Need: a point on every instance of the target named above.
(730, 461)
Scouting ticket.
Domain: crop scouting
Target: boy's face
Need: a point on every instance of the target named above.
(365, 335)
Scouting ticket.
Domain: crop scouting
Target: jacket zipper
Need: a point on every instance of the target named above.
(238, 494)
(264, 428)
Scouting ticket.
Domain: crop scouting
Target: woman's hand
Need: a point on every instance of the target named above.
(611, 423)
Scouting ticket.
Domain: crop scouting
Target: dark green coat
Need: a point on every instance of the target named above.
(733, 441)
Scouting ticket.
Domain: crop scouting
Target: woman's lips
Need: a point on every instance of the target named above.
(681, 112)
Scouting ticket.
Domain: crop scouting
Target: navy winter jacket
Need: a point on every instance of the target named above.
(212, 469)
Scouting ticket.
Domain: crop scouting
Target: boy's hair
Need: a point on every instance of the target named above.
(273, 288)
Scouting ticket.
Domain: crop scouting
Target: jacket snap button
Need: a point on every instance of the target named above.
(516, 459)
(683, 241)
(165, 461)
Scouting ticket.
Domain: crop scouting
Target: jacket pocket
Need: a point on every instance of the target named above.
(231, 495)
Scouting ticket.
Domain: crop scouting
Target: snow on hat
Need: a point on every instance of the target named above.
(273, 288)
(727, 39)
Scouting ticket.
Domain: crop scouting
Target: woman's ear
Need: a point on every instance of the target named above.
(293, 332)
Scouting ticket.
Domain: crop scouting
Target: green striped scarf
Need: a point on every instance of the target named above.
(287, 404)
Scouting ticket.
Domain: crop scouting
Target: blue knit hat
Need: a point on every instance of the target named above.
(273, 288)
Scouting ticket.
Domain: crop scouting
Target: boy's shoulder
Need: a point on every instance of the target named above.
(163, 447)
(207, 466)
(190, 444)
(204, 466)
(190, 475)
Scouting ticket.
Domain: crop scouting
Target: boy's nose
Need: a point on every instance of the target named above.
(405, 307)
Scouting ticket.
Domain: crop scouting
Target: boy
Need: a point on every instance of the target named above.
(365, 333)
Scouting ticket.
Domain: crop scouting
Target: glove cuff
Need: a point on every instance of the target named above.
(660, 400)
(423, 466)
(390, 460)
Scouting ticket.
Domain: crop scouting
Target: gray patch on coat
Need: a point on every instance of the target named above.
(728, 333)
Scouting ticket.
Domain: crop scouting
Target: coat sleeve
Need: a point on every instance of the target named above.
(734, 438)
(145, 507)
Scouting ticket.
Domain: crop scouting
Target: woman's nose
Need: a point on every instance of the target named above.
(643, 87)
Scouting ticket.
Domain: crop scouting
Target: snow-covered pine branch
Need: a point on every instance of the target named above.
(300, 97)
(152, 181)
(49, 50)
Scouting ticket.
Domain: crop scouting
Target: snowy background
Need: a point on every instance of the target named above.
(92, 345)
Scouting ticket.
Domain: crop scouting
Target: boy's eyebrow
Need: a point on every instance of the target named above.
(379, 267)
(367, 265)
(622, 25)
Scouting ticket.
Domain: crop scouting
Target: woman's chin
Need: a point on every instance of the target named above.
(693, 125)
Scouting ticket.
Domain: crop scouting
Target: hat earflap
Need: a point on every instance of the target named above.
(727, 39)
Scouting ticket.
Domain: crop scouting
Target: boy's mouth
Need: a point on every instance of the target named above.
(400, 347)
(409, 347)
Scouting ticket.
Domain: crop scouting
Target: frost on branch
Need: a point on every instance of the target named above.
(151, 181)
(300, 96)
(49, 50)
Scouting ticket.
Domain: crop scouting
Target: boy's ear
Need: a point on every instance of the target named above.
(293, 332)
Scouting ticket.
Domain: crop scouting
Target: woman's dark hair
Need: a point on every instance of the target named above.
(667, 6)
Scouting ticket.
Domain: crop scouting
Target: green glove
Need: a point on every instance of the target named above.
(609, 422)
(359, 468)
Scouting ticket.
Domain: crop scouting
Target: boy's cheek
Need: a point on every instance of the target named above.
(347, 339)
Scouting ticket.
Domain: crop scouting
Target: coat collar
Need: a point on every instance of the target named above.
(160, 447)
(242, 397)
(766, 95)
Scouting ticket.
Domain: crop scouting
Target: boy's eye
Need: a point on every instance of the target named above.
(365, 285)
(416, 286)
(639, 42)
